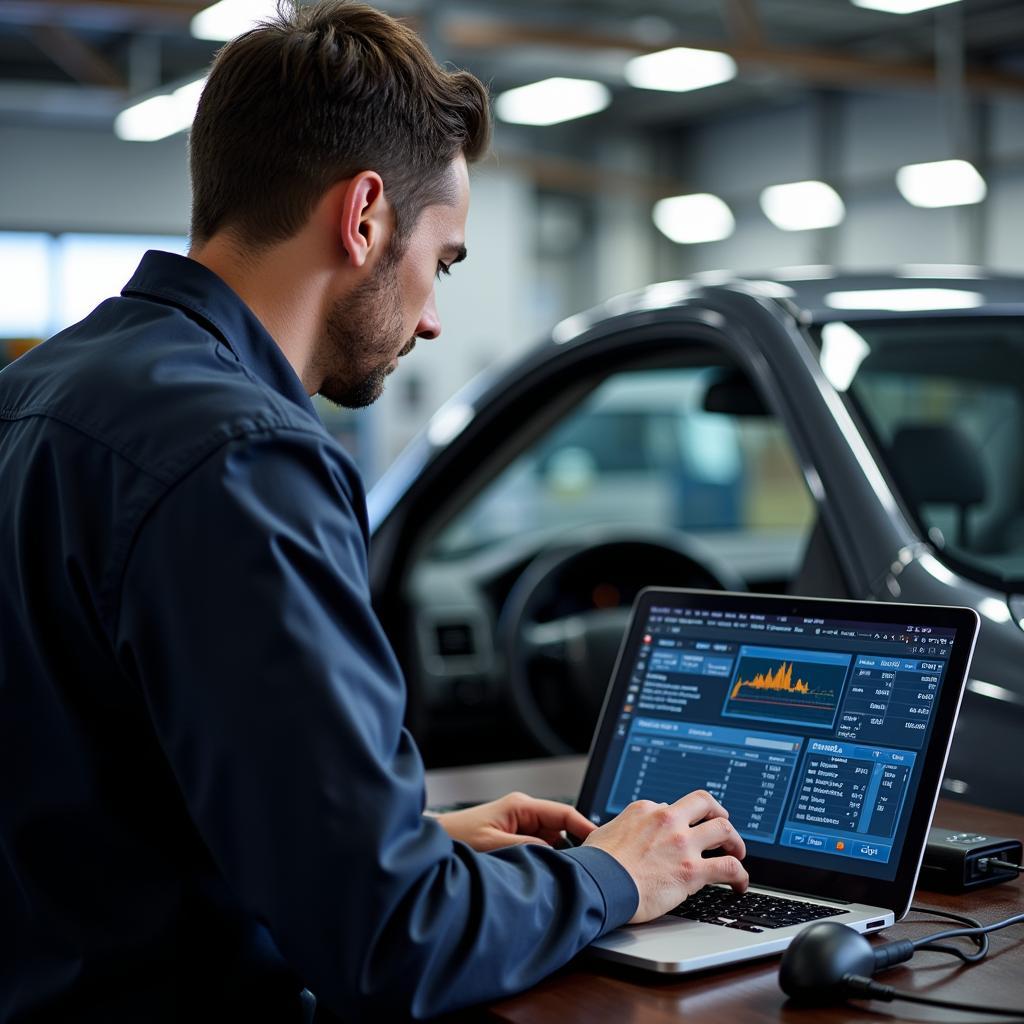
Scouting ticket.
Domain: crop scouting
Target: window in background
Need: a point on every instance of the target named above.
(91, 268)
(25, 284)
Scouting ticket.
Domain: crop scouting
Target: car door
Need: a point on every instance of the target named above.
(662, 427)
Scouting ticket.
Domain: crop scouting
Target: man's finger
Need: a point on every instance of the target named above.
(508, 839)
(728, 870)
(698, 805)
(718, 833)
(555, 816)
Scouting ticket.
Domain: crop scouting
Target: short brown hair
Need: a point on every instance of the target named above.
(314, 96)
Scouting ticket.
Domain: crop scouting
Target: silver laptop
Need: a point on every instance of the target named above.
(823, 728)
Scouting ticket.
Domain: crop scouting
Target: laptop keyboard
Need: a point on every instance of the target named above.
(751, 911)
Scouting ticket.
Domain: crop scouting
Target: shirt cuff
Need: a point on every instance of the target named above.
(621, 897)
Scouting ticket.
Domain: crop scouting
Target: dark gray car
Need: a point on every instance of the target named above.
(841, 436)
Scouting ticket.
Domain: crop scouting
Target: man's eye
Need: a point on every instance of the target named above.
(443, 268)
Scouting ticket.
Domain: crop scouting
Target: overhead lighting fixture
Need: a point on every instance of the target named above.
(941, 183)
(695, 218)
(842, 352)
(160, 116)
(905, 300)
(902, 6)
(680, 69)
(802, 206)
(230, 18)
(552, 101)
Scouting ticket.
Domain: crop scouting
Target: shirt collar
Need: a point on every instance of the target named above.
(186, 283)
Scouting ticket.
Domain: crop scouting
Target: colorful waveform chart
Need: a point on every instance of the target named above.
(798, 687)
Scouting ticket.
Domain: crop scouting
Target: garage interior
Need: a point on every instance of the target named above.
(743, 312)
(823, 90)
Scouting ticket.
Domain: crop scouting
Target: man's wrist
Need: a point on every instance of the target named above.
(616, 884)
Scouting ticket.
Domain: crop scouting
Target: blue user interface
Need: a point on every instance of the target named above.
(810, 731)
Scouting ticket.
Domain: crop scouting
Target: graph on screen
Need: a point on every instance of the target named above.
(800, 687)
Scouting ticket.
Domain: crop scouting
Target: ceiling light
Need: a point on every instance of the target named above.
(160, 116)
(842, 352)
(802, 205)
(902, 6)
(905, 300)
(941, 183)
(695, 218)
(552, 101)
(230, 18)
(680, 69)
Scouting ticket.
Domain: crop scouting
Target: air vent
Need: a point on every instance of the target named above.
(455, 640)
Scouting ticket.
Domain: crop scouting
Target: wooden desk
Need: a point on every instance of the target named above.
(595, 991)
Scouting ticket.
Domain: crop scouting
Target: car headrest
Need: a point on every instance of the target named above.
(938, 464)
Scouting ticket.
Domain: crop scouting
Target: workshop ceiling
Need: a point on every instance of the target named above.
(80, 61)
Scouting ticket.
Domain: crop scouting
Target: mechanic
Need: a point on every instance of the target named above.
(208, 802)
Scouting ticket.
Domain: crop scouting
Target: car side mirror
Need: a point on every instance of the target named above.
(733, 393)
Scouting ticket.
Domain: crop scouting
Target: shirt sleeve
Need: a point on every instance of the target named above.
(247, 622)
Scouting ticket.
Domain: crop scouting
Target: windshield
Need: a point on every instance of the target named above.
(945, 402)
(642, 451)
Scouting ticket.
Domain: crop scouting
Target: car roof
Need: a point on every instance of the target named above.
(824, 293)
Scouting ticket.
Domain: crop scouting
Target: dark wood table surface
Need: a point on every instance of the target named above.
(596, 991)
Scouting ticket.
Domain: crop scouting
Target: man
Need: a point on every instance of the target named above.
(207, 799)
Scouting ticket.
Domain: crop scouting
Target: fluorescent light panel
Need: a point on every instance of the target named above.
(905, 300)
(160, 116)
(802, 205)
(902, 6)
(680, 70)
(230, 18)
(552, 101)
(941, 183)
(692, 219)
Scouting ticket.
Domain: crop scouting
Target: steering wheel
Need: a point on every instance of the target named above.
(559, 656)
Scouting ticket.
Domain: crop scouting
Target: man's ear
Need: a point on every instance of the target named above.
(365, 219)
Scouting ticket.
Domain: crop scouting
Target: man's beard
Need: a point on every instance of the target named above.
(360, 338)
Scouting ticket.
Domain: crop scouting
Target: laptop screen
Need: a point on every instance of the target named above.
(811, 730)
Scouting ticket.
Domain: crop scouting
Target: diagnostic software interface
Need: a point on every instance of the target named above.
(810, 732)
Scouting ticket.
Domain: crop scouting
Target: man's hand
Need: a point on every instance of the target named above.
(514, 819)
(661, 846)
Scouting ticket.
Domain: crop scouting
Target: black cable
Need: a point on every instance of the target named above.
(956, 933)
(866, 988)
(984, 863)
(980, 940)
(978, 933)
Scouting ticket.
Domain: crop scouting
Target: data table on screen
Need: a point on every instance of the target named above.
(750, 773)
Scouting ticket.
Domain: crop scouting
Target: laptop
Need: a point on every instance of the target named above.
(822, 726)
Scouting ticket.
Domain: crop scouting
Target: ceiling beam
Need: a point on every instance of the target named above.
(819, 66)
(744, 21)
(77, 58)
(561, 174)
(113, 15)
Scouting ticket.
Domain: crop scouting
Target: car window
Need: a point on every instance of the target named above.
(945, 402)
(641, 450)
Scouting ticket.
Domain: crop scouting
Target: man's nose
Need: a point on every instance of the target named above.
(429, 326)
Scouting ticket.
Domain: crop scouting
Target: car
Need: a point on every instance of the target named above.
(807, 432)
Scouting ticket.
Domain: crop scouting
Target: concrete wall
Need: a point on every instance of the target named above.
(84, 180)
(869, 138)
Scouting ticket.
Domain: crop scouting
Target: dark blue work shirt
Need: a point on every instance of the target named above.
(207, 797)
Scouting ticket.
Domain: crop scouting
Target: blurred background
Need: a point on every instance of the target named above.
(617, 162)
